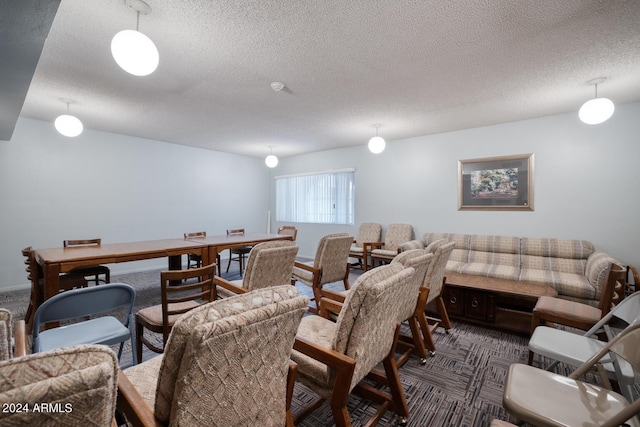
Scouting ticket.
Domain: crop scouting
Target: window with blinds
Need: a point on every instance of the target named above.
(322, 197)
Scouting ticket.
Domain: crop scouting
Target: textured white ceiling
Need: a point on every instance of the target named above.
(414, 67)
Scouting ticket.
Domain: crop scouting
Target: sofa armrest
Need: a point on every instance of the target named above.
(596, 270)
(411, 244)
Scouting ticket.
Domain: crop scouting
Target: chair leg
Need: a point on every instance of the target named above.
(395, 387)
(291, 382)
(535, 320)
(444, 316)
(139, 334)
(229, 262)
(418, 340)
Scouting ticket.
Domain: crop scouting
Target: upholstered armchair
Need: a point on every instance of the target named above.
(333, 357)
(367, 233)
(331, 264)
(434, 283)
(420, 261)
(226, 363)
(396, 234)
(77, 384)
(269, 264)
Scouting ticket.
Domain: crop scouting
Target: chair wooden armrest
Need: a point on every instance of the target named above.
(367, 246)
(20, 337)
(333, 295)
(219, 281)
(375, 245)
(307, 267)
(328, 307)
(317, 274)
(132, 405)
(343, 364)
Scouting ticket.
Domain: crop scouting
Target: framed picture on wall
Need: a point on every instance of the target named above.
(496, 183)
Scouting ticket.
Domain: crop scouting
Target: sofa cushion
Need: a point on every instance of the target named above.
(565, 256)
(566, 284)
(489, 270)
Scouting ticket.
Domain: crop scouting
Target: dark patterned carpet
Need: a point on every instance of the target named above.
(460, 386)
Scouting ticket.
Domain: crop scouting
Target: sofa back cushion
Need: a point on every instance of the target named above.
(561, 255)
(460, 253)
(500, 250)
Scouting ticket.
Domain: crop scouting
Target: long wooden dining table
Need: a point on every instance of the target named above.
(55, 261)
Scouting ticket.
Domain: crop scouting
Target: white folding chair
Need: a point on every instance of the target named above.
(574, 349)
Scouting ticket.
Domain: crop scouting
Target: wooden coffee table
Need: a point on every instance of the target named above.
(495, 303)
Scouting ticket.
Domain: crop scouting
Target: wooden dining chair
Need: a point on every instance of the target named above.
(240, 253)
(94, 271)
(34, 274)
(181, 291)
(194, 260)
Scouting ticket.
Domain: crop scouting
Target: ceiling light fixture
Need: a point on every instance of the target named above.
(133, 51)
(67, 124)
(376, 144)
(597, 110)
(277, 86)
(271, 160)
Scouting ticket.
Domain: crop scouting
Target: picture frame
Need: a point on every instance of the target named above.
(496, 183)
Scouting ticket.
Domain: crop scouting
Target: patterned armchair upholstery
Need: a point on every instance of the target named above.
(333, 357)
(434, 281)
(411, 311)
(396, 234)
(81, 381)
(269, 264)
(225, 363)
(331, 264)
(368, 233)
(13, 337)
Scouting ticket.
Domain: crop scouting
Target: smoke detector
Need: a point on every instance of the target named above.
(277, 86)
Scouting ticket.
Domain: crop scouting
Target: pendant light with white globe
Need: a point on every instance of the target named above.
(271, 160)
(67, 124)
(597, 110)
(376, 144)
(132, 50)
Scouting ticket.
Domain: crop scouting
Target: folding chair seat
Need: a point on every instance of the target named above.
(546, 399)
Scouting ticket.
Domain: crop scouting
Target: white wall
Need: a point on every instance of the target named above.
(118, 188)
(585, 184)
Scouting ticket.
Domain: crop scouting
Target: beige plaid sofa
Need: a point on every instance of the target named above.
(572, 267)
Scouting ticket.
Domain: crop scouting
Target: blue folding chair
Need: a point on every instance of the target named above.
(83, 303)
